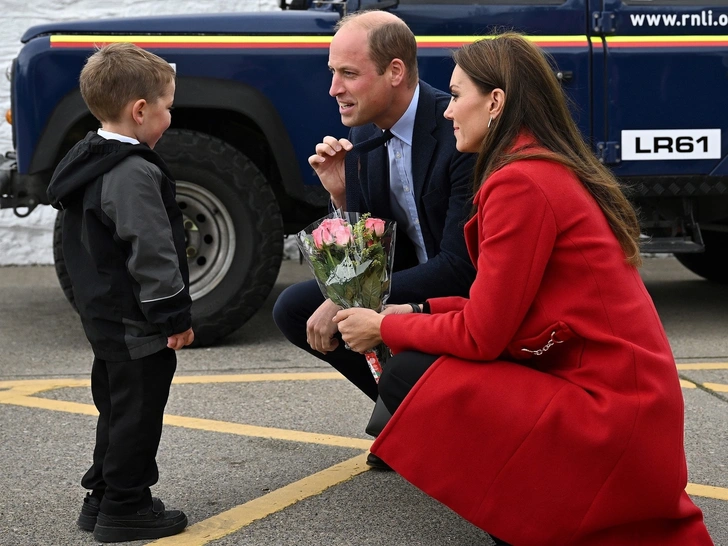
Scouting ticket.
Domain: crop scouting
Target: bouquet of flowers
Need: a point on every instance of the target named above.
(351, 255)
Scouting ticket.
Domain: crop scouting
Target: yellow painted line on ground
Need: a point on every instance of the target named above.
(718, 387)
(53, 405)
(710, 491)
(704, 366)
(46, 384)
(236, 518)
(254, 377)
(266, 432)
(29, 390)
(210, 425)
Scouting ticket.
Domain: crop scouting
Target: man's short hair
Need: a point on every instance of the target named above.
(387, 41)
(119, 73)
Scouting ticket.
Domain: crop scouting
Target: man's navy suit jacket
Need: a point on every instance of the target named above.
(442, 180)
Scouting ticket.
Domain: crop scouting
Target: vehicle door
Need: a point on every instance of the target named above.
(560, 26)
(661, 82)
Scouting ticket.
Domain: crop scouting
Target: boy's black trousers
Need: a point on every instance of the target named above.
(130, 397)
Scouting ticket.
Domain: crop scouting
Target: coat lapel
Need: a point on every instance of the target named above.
(423, 142)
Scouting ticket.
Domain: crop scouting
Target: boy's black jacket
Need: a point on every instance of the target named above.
(123, 246)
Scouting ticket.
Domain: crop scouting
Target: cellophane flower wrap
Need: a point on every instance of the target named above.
(351, 256)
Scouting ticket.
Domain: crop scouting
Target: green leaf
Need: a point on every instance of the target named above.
(371, 291)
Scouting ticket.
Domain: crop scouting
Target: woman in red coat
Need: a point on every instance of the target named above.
(546, 407)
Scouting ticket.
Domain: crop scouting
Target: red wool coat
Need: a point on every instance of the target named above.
(555, 416)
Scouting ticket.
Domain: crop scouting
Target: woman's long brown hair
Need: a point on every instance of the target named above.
(535, 102)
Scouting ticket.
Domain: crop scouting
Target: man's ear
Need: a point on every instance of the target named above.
(497, 101)
(398, 72)
(137, 110)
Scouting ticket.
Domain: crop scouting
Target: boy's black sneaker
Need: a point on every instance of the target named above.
(89, 512)
(152, 522)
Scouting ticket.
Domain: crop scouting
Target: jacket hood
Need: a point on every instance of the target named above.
(90, 158)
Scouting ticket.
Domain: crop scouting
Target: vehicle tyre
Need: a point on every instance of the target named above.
(713, 263)
(63, 279)
(233, 228)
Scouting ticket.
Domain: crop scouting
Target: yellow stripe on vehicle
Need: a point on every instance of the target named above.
(666, 41)
(264, 42)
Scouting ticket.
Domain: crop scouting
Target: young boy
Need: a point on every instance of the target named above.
(124, 249)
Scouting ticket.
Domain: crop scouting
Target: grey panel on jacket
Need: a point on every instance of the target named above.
(131, 197)
(142, 338)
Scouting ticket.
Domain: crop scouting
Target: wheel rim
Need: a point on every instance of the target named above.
(209, 237)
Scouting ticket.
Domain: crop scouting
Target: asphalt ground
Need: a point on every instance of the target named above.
(265, 446)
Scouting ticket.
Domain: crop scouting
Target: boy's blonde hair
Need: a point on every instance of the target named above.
(119, 73)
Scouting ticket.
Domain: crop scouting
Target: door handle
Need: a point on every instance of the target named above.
(564, 75)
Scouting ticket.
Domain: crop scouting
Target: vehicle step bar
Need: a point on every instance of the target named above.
(671, 245)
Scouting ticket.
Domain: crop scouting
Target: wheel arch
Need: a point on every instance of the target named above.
(213, 106)
(234, 112)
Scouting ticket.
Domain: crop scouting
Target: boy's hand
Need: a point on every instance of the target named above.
(177, 341)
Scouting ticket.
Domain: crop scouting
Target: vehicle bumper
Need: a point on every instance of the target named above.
(22, 193)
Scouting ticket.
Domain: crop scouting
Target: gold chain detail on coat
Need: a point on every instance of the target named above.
(551, 343)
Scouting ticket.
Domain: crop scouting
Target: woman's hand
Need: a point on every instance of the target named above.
(360, 328)
(397, 309)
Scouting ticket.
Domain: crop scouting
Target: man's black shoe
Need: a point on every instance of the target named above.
(89, 512)
(152, 522)
(376, 463)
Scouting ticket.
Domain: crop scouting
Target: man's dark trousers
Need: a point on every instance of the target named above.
(291, 312)
(130, 397)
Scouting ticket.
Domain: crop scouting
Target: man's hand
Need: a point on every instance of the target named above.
(360, 328)
(328, 162)
(321, 329)
(177, 341)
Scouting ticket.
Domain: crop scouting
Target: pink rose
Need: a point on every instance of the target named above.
(331, 224)
(322, 237)
(318, 241)
(342, 235)
(327, 236)
(375, 225)
(331, 230)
